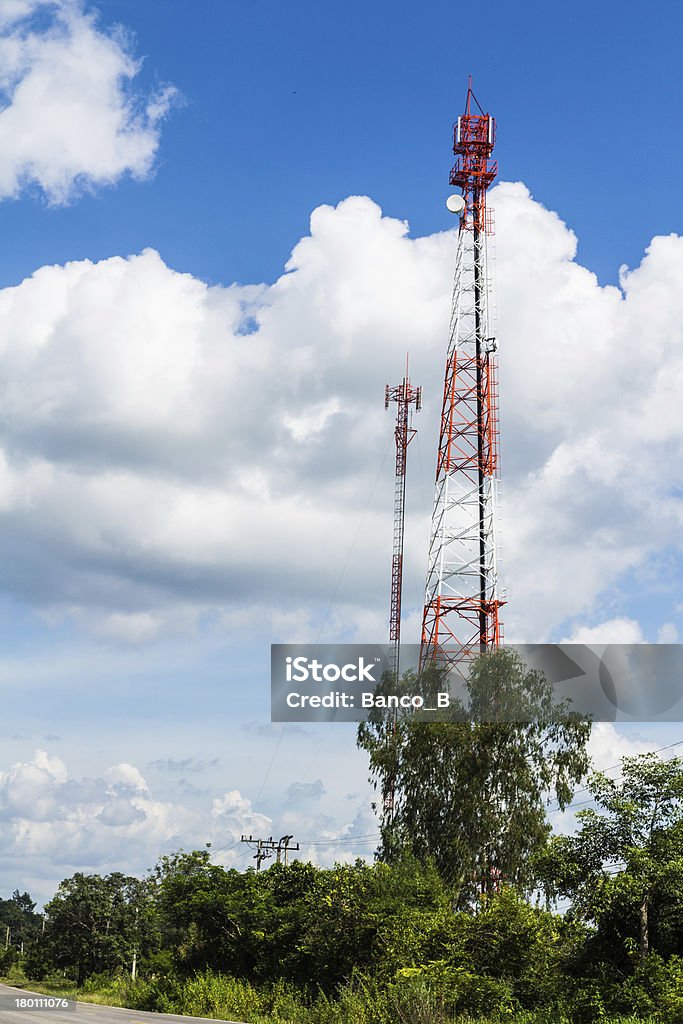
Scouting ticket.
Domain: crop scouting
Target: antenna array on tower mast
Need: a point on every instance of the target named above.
(461, 611)
(405, 395)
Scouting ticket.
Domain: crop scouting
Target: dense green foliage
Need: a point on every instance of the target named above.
(19, 927)
(374, 943)
(623, 870)
(402, 940)
(469, 793)
(95, 924)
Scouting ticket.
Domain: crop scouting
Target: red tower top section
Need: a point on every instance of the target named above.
(474, 136)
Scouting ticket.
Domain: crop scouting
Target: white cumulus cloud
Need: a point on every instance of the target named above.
(613, 631)
(60, 823)
(70, 116)
(170, 450)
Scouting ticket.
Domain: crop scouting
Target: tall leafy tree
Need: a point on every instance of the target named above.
(207, 915)
(95, 923)
(18, 914)
(623, 870)
(470, 793)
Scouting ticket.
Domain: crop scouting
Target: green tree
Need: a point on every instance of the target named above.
(311, 926)
(18, 914)
(209, 917)
(470, 793)
(95, 924)
(372, 918)
(507, 956)
(624, 868)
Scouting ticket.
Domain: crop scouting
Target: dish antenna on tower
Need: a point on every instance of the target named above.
(456, 204)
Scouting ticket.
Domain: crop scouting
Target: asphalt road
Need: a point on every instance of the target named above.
(83, 1013)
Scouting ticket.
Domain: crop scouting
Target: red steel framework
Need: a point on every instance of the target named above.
(461, 612)
(405, 395)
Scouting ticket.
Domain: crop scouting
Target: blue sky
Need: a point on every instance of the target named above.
(178, 489)
(287, 106)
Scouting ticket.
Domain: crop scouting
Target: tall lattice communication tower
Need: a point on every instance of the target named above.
(405, 396)
(461, 611)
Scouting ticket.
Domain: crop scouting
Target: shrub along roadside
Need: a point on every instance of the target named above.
(433, 995)
(363, 943)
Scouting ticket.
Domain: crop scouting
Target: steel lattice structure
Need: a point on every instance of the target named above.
(461, 612)
(405, 395)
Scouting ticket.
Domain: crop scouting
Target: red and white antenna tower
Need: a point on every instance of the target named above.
(461, 599)
(404, 395)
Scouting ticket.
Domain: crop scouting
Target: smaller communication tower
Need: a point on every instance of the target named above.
(405, 396)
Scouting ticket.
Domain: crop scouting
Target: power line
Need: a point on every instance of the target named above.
(223, 849)
(613, 767)
(265, 848)
(367, 838)
(350, 840)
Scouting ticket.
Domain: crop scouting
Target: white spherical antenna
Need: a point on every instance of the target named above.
(456, 204)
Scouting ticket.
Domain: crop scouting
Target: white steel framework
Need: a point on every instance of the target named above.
(461, 598)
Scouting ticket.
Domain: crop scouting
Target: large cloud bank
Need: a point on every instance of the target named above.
(170, 450)
(70, 117)
(58, 822)
(54, 821)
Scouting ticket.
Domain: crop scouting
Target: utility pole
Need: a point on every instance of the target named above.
(134, 966)
(266, 847)
(283, 847)
(262, 852)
